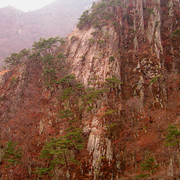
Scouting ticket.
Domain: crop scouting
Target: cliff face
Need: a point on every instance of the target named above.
(125, 57)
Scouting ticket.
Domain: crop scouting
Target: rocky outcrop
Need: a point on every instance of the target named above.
(127, 59)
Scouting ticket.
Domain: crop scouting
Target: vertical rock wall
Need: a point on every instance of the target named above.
(138, 47)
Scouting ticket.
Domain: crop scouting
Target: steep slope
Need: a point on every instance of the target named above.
(125, 57)
(19, 29)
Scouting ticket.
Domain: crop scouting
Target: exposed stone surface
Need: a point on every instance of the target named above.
(127, 123)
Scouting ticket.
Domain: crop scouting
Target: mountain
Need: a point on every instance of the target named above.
(103, 103)
(19, 29)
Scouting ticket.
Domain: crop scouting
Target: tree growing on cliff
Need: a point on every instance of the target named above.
(17, 58)
(148, 167)
(46, 46)
(84, 19)
(62, 150)
(12, 154)
(173, 136)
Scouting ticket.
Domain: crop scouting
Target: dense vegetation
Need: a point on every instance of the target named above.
(98, 15)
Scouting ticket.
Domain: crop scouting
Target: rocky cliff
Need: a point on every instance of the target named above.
(101, 104)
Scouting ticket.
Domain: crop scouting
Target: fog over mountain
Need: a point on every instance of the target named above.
(19, 29)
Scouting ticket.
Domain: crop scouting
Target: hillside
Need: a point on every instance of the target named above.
(103, 103)
(19, 29)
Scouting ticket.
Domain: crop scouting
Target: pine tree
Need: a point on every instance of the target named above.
(173, 135)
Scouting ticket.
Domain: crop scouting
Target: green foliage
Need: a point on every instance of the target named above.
(115, 2)
(110, 128)
(74, 38)
(74, 135)
(62, 41)
(98, 13)
(97, 26)
(91, 41)
(142, 176)
(65, 114)
(91, 95)
(12, 154)
(149, 165)
(134, 31)
(176, 33)
(173, 136)
(79, 86)
(98, 7)
(61, 56)
(17, 58)
(43, 171)
(44, 44)
(49, 76)
(90, 108)
(155, 79)
(84, 19)
(150, 10)
(110, 112)
(113, 82)
(66, 79)
(13, 81)
(35, 56)
(48, 59)
(108, 16)
(101, 43)
(66, 93)
(49, 70)
(58, 150)
(25, 52)
(115, 24)
(83, 58)
(111, 58)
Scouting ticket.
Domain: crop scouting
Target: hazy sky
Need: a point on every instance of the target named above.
(25, 5)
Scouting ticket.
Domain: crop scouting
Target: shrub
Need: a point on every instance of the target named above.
(110, 112)
(61, 56)
(142, 176)
(14, 80)
(150, 10)
(48, 59)
(111, 58)
(173, 135)
(66, 79)
(12, 154)
(65, 114)
(155, 79)
(176, 33)
(35, 55)
(84, 19)
(58, 150)
(91, 95)
(43, 171)
(99, 12)
(17, 58)
(91, 41)
(115, 24)
(101, 43)
(66, 93)
(113, 82)
(44, 46)
(149, 165)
